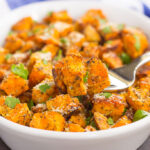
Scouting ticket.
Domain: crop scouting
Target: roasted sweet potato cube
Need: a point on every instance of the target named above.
(42, 91)
(3, 53)
(41, 107)
(17, 58)
(76, 38)
(112, 106)
(101, 121)
(40, 71)
(4, 109)
(64, 104)
(53, 49)
(144, 82)
(14, 85)
(37, 56)
(139, 98)
(73, 73)
(112, 60)
(4, 70)
(72, 127)
(93, 17)
(20, 114)
(135, 42)
(97, 76)
(58, 16)
(13, 43)
(78, 119)
(109, 31)
(91, 34)
(91, 49)
(124, 120)
(73, 50)
(113, 46)
(144, 70)
(48, 120)
(63, 28)
(58, 77)
(24, 24)
(89, 129)
(29, 45)
(49, 36)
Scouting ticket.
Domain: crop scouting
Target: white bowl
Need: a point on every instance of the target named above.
(128, 137)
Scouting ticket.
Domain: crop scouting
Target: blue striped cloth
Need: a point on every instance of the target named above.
(139, 5)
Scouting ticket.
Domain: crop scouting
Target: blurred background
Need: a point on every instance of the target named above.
(142, 6)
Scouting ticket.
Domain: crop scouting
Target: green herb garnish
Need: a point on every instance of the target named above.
(36, 30)
(20, 70)
(85, 78)
(8, 56)
(63, 40)
(59, 56)
(30, 104)
(101, 20)
(124, 112)
(11, 101)
(79, 98)
(45, 62)
(109, 42)
(140, 114)
(106, 94)
(110, 121)
(120, 26)
(126, 59)
(50, 13)
(44, 87)
(137, 42)
(10, 32)
(106, 30)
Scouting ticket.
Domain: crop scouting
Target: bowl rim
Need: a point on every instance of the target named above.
(74, 135)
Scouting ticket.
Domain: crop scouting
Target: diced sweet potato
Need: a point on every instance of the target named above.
(58, 77)
(89, 129)
(39, 108)
(48, 120)
(109, 31)
(112, 106)
(51, 48)
(101, 121)
(139, 98)
(39, 72)
(76, 38)
(3, 53)
(124, 120)
(58, 16)
(63, 28)
(92, 49)
(24, 24)
(135, 42)
(49, 36)
(64, 104)
(78, 119)
(94, 17)
(74, 128)
(97, 76)
(144, 70)
(4, 109)
(14, 85)
(37, 56)
(91, 34)
(114, 46)
(13, 43)
(144, 82)
(25, 97)
(18, 58)
(112, 60)
(20, 114)
(73, 72)
(40, 96)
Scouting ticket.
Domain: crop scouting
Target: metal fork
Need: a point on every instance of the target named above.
(122, 78)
